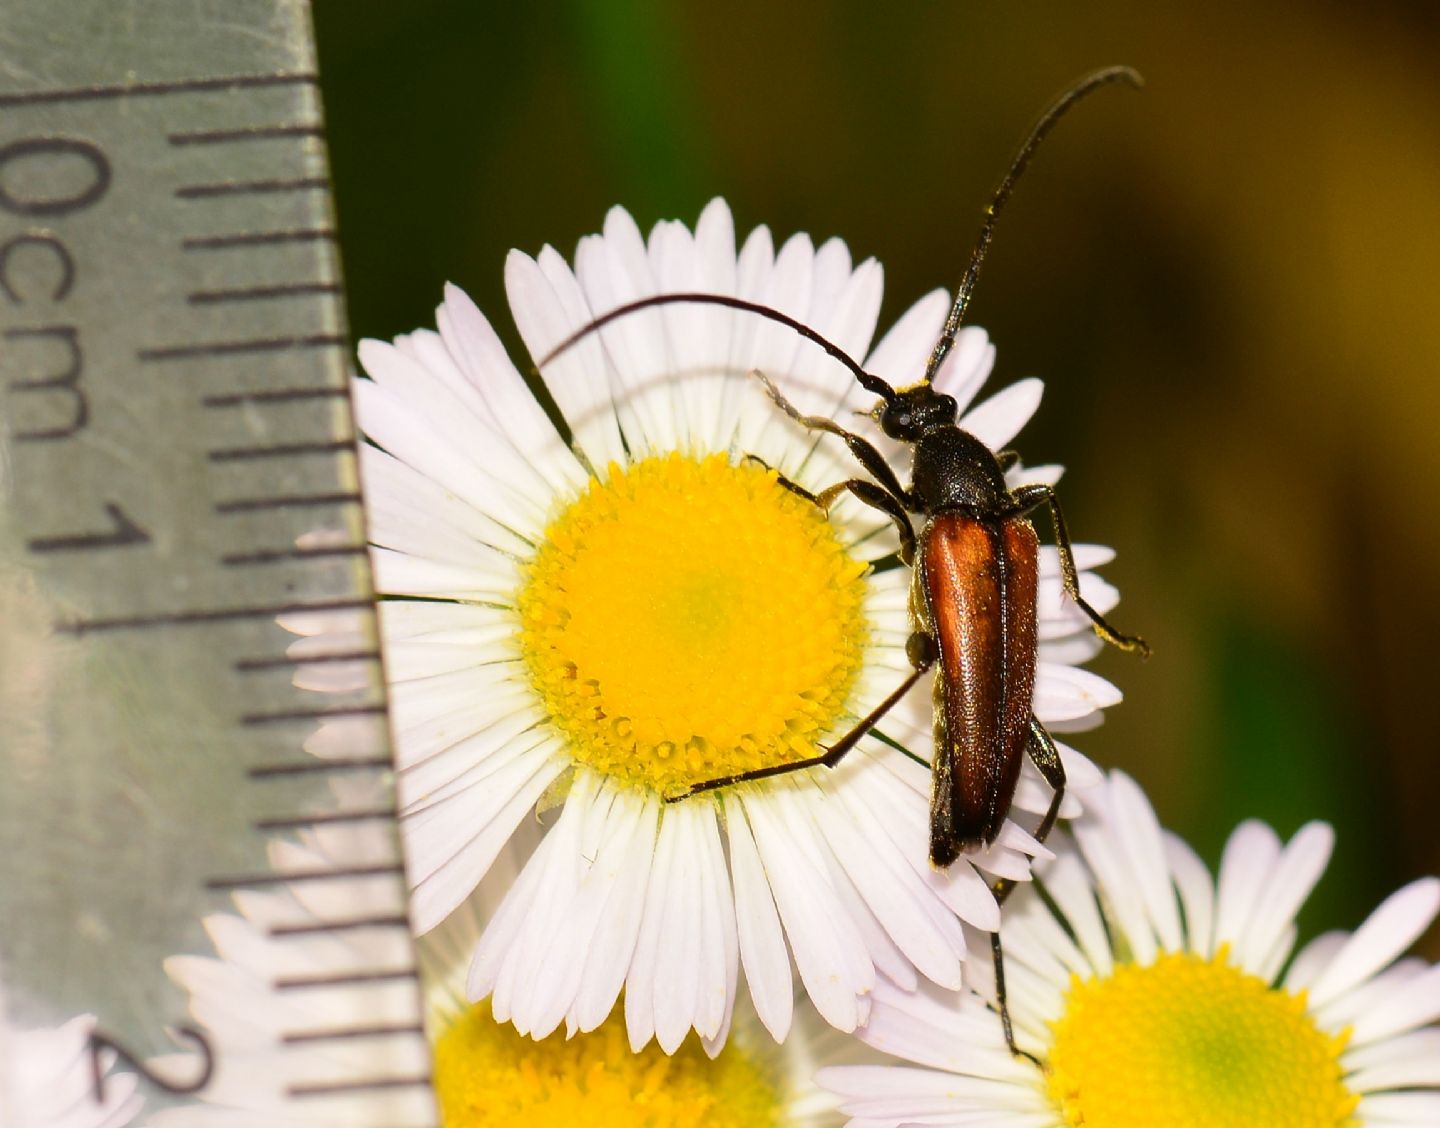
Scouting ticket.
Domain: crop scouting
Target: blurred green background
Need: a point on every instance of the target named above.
(1229, 281)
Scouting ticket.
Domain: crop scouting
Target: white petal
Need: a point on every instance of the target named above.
(1073, 893)
(967, 367)
(1197, 893)
(548, 306)
(411, 414)
(640, 1002)
(545, 889)
(720, 950)
(1250, 855)
(762, 944)
(1394, 926)
(1415, 1004)
(607, 961)
(1064, 693)
(1313, 959)
(585, 959)
(483, 360)
(676, 896)
(828, 949)
(899, 358)
(1138, 830)
(1000, 418)
(1394, 1110)
(437, 895)
(904, 906)
(1299, 868)
(1125, 903)
(1407, 1061)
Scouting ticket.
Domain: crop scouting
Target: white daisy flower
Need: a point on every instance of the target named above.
(1153, 994)
(485, 1073)
(310, 1024)
(488, 1075)
(47, 1079)
(600, 620)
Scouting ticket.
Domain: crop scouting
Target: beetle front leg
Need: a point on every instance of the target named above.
(1034, 496)
(873, 496)
(866, 492)
(780, 480)
(865, 454)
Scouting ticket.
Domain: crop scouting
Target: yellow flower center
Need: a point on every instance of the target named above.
(689, 619)
(488, 1075)
(1193, 1043)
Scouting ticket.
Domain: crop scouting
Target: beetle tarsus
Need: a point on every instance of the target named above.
(782, 481)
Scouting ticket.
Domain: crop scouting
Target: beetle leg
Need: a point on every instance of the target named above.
(865, 454)
(1046, 757)
(997, 955)
(1007, 458)
(827, 759)
(1034, 496)
(874, 496)
(867, 492)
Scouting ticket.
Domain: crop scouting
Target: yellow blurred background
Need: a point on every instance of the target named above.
(1230, 282)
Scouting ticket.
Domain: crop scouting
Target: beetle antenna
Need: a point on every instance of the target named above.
(1061, 106)
(867, 381)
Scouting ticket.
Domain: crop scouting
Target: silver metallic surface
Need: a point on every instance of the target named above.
(176, 471)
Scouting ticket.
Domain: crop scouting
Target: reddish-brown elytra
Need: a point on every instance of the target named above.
(976, 567)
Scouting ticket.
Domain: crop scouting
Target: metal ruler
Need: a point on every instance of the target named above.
(176, 472)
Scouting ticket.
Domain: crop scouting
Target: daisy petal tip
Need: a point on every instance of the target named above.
(1423, 898)
(619, 214)
(520, 270)
(372, 352)
(453, 295)
(718, 209)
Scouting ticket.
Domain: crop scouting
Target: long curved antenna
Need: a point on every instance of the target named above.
(1061, 106)
(870, 383)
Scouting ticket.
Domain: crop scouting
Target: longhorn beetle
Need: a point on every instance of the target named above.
(975, 568)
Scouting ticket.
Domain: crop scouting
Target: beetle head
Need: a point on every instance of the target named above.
(910, 412)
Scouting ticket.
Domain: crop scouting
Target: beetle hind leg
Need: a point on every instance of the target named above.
(997, 956)
(1032, 497)
(1046, 757)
